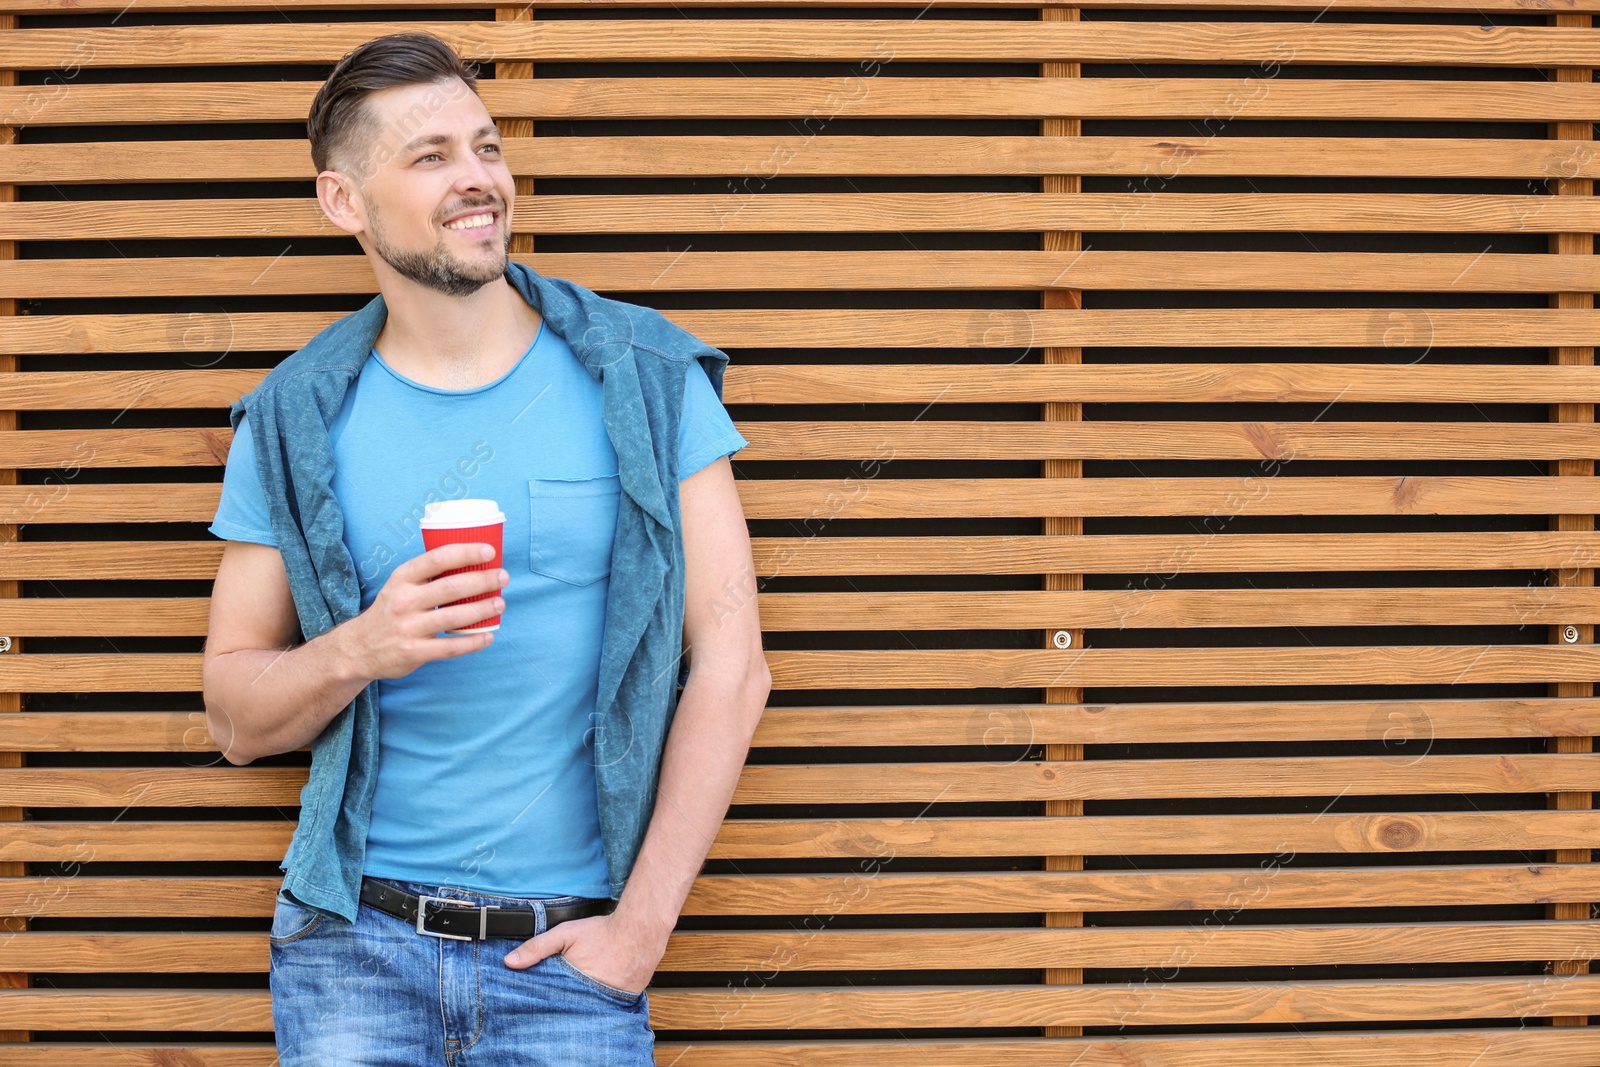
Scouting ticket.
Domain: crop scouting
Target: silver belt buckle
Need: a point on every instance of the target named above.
(481, 909)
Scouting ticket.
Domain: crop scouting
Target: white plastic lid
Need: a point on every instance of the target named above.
(468, 512)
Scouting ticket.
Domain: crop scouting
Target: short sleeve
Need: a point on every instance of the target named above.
(242, 513)
(706, 433)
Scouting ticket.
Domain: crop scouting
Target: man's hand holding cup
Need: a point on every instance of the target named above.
(452, 588)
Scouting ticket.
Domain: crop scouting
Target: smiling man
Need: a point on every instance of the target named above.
(500, 828)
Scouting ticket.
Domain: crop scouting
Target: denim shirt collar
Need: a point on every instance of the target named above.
(640, 358)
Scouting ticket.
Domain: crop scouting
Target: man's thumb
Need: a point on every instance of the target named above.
(528, 953)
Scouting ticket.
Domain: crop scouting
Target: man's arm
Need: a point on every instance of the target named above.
(253, 628)
(706, 747)
(265, 694)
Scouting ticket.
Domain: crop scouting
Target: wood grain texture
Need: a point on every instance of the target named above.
(803, 212)
(783, 271)
(699, 155)
(755, 40)
(1377, 99)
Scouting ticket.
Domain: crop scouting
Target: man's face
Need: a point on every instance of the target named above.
(435, 192)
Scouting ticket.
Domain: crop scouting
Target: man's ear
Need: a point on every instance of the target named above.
(340, 199)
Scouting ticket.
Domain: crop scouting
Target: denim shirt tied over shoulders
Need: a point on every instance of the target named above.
(640, 359)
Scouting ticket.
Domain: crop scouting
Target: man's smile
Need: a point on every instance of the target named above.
(477, 224)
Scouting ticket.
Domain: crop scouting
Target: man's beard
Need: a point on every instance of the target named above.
(437, 268)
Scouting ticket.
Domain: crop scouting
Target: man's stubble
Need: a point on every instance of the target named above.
(437, 268)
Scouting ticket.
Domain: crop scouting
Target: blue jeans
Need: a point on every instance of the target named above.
(375, 993)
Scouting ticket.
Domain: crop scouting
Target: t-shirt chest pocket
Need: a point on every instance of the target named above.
(572, 526)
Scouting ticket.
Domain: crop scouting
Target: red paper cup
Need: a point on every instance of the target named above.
(454, 522)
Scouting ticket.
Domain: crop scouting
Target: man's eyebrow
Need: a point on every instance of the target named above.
(439, 138)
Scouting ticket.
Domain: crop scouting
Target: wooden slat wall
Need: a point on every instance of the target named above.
(1171, 474)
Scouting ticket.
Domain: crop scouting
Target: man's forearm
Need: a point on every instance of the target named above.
(264, 701)
(705, 751)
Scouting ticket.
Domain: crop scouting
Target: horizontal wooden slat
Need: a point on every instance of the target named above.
(1007, 668)
(935, 383)
(1479, 1047)
(1154, 212)
(1541, 1047)
(896, 40)
(879, 383)
(132, 673)
(1120, 946)
(1090, 609)
(885, 442)
(1089, 270)
(902, 949)
(1174, 1003)
(122, 390)
(1157, 554)
(240, 1011)
(1165, 554)
(884, 892)
(104, 616)
(77, 6)
(71, 560)
(861, 498)
(198, 953)
(877, 890)
(929, 212)
(754, 160)
(879, 498)
(149, 787)
(793, 270)
(1142, 835)
(92, 896)
(1118, 609)
(200, 446)
(968, 668)
(126, 1054)
(849, 97)
(1182, 1003)
(874, 783)
(1417, 330)
(129, 840)
(109, 731)
(64, 501)
(1398, 723)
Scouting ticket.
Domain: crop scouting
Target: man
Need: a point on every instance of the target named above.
(499, 829)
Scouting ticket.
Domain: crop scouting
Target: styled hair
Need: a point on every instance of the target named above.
(339, 122)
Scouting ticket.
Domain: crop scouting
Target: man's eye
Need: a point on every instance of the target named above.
(430, 155)
(492, 147)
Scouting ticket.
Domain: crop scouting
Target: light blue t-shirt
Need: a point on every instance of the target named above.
(485, 773)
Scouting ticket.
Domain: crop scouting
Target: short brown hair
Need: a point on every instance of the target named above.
(338, 121)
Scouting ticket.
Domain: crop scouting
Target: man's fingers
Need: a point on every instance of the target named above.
(450, 646)
(436, 561)
(451, 587)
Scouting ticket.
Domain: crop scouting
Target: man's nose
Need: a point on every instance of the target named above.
(474, 174)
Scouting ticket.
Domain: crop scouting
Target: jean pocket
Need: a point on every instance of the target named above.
(291, 922)
(572, 527)
(621, 995)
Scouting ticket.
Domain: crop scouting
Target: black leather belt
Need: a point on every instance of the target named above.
(464, 921)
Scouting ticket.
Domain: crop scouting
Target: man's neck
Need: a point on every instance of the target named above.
(454, 342)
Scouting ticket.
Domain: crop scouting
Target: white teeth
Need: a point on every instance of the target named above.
(469, 221)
